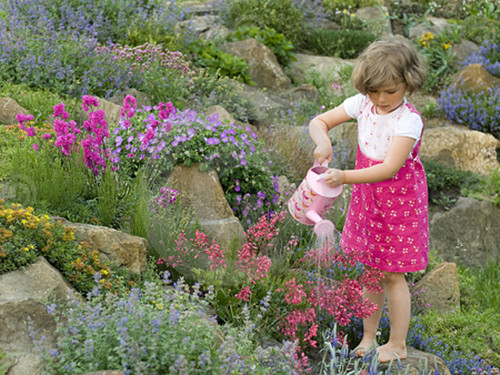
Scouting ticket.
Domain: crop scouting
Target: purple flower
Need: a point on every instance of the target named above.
(212, 141)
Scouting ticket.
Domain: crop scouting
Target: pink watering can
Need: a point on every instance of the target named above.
(312, 200)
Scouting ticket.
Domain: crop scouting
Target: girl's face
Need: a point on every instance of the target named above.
(387, 98)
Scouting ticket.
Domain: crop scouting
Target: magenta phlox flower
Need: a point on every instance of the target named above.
(31, 131)
(59, 111)
(35, 147)
(46, 136)
(87, 101)
(22, 118)
(129, 106)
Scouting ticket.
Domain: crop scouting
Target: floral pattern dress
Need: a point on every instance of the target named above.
(388, 220)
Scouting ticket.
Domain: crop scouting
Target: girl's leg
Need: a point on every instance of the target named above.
(370, 324)
(399, 303)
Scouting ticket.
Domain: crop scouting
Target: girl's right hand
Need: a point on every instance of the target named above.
(323, 152)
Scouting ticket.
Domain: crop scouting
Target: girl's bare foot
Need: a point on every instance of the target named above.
(389, 351)
(364, 347)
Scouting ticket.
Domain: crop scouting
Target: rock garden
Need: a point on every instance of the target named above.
(148, 150)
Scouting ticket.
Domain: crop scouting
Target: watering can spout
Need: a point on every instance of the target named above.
(322, 227)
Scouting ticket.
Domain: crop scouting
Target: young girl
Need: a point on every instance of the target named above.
(388, 214)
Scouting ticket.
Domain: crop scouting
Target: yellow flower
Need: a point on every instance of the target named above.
(344, 11)
(446, 45)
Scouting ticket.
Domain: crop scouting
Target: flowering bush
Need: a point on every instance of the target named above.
(25, 235)
(477, 111)
(170, 137)
(324, 287)
(108, 332)
(488, 56)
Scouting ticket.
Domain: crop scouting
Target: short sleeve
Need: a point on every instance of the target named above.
(410, 126)
(352, 105)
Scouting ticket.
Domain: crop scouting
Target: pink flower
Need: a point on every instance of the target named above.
(35, 147)
(22, 118)
(244, 294)
(60, 112)
(31, 131)
(87, 101)
(46, 136)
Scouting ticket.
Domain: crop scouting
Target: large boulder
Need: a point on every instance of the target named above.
(432, 25)
(326, 67)
(264, 67)
(415, 364)
(202, 192)
(9, 109)
(23, 297)
(380, 24)
(461, 148)
(475, 78)
(467, 233)
(122, 249)
(438, 290)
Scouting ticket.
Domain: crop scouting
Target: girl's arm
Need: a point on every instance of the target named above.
(318, 130)
(394, 160)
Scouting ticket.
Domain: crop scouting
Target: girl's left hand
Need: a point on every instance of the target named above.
(334, 177)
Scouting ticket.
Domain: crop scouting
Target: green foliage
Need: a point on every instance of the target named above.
(217, 62)
(475, 28)
(38, 101)
(335, 6)
(466, 331)
(25, 235)
(4, 363)
(440, 59)
(487, 189)
(277, 43)
(338, 43)
(280, 15)
(164, 330)
(445, 184)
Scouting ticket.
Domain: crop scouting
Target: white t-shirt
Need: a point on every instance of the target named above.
(375, 131)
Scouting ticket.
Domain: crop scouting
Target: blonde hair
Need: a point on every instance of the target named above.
(388, 62)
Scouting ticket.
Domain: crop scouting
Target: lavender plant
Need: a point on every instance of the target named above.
(107, 332)
(488, 55)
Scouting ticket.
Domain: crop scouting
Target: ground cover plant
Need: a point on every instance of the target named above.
(62, 54)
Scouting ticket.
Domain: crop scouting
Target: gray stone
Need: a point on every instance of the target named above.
(202, 192)
(23, 297)
(438, 290)
(475, 78)
(9, 109)
(122, 249)
(463, 49)
(468, 233)
(111, 112)
(378, 20)
(265, 70)
(141, 99)
(417, 362)
(433, 25)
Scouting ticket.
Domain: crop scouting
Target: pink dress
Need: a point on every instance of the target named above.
(388, 220)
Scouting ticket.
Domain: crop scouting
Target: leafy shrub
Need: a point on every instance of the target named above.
(280, 15)
(217, 62)
(478, 111)
(184, 137)
(446, 184)
(277, 43)
(477, 30)
(164, 73)
(436, 49)
(338, 43)
(25, 235)
(108, 331)
(488, 188)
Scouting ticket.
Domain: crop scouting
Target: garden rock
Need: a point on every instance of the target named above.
(9, 109)
(326, 67)
(416, 362)
(438, 290)
(267, 106)
(476, 78)
(433, 25)
(463, 49)
(377, 18)
(141, 99)
(122, 249)
(305, 92)
(23, 295)
(468, 233)
(461, 148)
(202, 192)
(265, 70)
